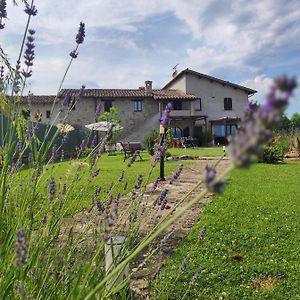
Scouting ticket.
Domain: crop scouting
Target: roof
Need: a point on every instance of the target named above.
(45, 99)
(131, 93)
(188, 71)
(172, 94)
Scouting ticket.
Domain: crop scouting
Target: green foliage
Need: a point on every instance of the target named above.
(284, 124)
(169, 137)
(110, 116)
(251, 246)
(295, 120)
(271, 154)
(150, 139)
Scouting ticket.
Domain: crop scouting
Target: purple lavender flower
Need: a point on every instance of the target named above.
(65, 136)
(80, 93)
(211, 182)
(138, 181)
(201, 234)
(133, 158)
(67, 98)
(100, 207)
(95, 173)
(17, 79)
(94, 141)
(159, 153)
(1, 74)
(74, 54)
(176, 175)
(194, 278)
(44, 219)
(161, 198)
(54, 152)
(30, 10)
(81, 33)
(165, 120)
(183, 265)
(121, 176)
(98, 111)
(256, 129)
(125, 186)
(3, 13)
(155, 185)
(115, 207)
(82, 146)
(21, 248)
(29, 54)
(52, 189)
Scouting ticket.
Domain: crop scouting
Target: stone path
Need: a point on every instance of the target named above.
(145, 272)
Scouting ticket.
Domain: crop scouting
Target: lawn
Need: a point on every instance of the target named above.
(251, 247)
(201, 151)
(81, 188)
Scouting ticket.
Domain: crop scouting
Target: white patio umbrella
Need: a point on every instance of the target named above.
(103, 126)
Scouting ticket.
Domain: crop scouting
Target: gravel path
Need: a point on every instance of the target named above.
(145, 271)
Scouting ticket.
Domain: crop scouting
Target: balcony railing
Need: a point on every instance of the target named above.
(185, 113)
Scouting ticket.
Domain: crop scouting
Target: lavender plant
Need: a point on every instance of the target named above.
(41, 256)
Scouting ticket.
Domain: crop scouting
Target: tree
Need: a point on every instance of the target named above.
(111, 116)
(284, 124)
(295, 120)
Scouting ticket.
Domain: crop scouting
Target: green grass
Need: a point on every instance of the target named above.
(81, 192)
(203, 151)
(257, 220)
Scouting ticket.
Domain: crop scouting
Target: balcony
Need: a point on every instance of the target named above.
(185, 113)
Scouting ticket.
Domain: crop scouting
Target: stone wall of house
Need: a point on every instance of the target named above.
(42, 108)
(212, 96)
(133, 121)
(84, 113)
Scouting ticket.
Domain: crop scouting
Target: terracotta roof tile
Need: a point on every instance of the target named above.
(130, 93)
(44, 99)
(172, 94)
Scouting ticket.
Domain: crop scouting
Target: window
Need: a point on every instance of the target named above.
(176, 132)
(107, 105)
(177, 105)
(26, 113)
(137, 105)
(48, 112)
(227, 104)
(197, 104)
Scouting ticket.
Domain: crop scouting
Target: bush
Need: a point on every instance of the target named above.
(271, 155)
(150, 139)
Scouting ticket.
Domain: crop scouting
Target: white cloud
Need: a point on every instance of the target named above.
(238, 36)
(262, 84)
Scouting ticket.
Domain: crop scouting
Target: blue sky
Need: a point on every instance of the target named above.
(130, 41)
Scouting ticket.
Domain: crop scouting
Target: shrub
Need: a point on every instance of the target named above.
(150, 139)
(271, 154)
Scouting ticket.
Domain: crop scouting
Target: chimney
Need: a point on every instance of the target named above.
(148, 86)
(174, 74)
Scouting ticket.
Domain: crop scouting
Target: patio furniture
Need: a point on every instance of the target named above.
(130, 148)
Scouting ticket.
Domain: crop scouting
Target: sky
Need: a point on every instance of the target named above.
(130, 41)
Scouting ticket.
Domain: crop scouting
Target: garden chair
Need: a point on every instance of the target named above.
(130, 148)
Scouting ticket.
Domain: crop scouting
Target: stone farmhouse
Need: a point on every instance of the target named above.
(202, 105)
